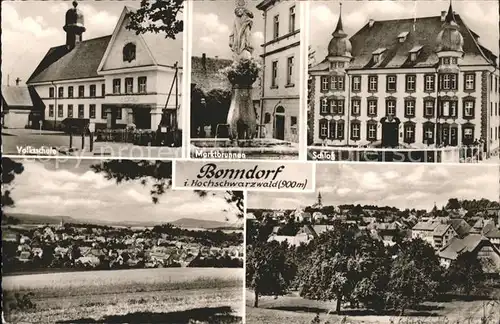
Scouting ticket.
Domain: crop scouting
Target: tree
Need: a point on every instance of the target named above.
(10, 169)
(198, 112)
(331, 271)
(453, 203)
(217, 106)
(268, 272)
(158, 16)
(465, 273)
(415, 275)
(159, 173)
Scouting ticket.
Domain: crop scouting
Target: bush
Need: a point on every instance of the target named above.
(243, 72)
(22, 302)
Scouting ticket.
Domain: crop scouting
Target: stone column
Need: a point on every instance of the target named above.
(156, 114)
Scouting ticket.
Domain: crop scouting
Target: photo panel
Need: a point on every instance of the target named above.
(372, 244)
(92, 78)
(403, 81)
(245, 80)
(108, 241)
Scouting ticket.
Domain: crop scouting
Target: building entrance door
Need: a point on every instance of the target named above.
(142, 117)
(279, 123)
(390, 131)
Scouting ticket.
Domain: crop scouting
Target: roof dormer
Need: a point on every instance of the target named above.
(415, 52)
(377, 54)
(402, 37)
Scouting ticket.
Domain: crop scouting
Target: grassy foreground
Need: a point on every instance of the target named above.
(175, 295)
(292, 309)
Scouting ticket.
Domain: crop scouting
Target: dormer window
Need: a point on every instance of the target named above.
(402, 37)
(377, 54)
(129, 52)
(414, 52)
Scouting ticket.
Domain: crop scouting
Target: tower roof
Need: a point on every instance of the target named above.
(339, 45)
(450, 38)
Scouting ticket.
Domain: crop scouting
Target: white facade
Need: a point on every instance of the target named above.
(281, 75)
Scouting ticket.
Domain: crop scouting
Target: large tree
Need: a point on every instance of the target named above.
(414, 277)
(464, 273)
(340, 265)
(158, 174)
(10, 169)
(268, 271)
(158, 16)
(218, 102)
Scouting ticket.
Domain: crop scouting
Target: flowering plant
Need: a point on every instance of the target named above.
(243, 72)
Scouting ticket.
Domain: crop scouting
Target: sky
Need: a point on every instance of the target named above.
(63, 188)
(387, 184)
(480, 16)
(212, 24)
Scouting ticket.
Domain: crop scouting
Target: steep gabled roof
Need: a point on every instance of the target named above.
(16, 96)
(422, 32)
(457, 246)
(61, 64)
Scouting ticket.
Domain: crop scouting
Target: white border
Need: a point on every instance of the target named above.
(186, 84)
(303, 75)
(245, 206)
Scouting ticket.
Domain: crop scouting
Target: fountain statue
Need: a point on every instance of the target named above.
(241, 118)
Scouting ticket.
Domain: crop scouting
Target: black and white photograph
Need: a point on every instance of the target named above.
(402, 245)
(403, 81)
(92, 78)
(245, 79)
(108, 241)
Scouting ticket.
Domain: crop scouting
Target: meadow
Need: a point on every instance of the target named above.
(293, 309)
(164, 295)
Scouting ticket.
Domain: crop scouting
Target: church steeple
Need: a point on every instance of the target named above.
(74, 26)
(339, 30)
(449, 43)
(320, 203)
(339, 48)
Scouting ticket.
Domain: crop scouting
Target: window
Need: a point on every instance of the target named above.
(356, 107)
(371, 131)
(51, 110)
(60, 111)
(118, 113)
(454, 60)
(323, 128)
(70, 111)
(337, 82)
(81, 111)
(448, 108)
(324, 106)
(81, 91)
(410, 83)
(129, 85)
(340, 129)
(333, 129)
(355, 130)
(91, 111)
(376, 58)
(103, 89)
(428, 131)
(468, 108)
(92, 90)
(274, 75)
(409, 133)
(60, 92)
(104, 113)
(51, 92)
(391, 83)
(291, 23)
(116, 86)
(340, 107)
(409, 108)
(448, 82)
(446, 60)
(293, 120)
(142, 84)
(429, 108)
(429, 83)
(372, 83)
(324, 83)
(413, 57)
(276, 26)
(289, 68)
(467, 134)
(356, 83)
(340, 64)
(470, 81)
(372, 108)
(390, 107)
(129, 52)
(333, 107)
(70, 92)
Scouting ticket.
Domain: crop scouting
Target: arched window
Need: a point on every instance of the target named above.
(280, 110)
(129, 52)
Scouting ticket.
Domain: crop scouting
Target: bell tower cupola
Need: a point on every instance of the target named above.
(74, 26)
(339, 48)
(449, 44)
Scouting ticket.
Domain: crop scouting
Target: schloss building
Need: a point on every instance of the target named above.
(416, 83)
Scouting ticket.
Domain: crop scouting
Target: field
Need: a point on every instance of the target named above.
(168, 295)
(292, 309)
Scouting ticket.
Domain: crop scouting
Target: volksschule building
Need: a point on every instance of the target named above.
(407, 83)
(111, 81)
